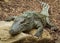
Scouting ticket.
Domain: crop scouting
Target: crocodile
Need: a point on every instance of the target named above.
(30, 19)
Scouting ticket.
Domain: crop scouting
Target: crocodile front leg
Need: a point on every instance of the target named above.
(39, 27)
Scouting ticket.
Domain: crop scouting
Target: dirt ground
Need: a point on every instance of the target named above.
(15, 7)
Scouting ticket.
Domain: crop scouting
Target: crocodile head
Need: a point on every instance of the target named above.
(17, 26)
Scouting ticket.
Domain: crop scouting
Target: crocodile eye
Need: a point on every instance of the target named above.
(25, 21)
(22, 21)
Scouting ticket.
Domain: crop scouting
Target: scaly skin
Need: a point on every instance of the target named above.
(30, 19)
